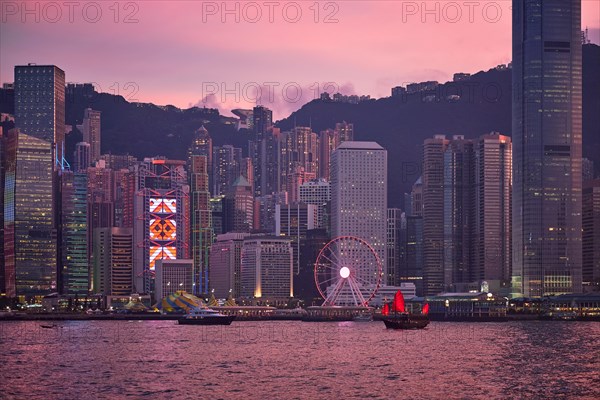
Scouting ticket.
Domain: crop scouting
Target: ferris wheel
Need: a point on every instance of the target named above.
(348, 272)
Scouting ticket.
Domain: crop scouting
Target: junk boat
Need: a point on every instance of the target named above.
(205, 316)
(395, 316)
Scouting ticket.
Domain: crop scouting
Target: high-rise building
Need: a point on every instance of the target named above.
(29, 226)
(40, 104)
(227, 162)
(92, 132)
(304, 282)
(226, 264)
(265, 206)
(411, 252)
(101, 201)
(271, 145)
(493, 218)
(266, 268)
(393, 247)
(325, 150)
(591, 235)
(2, 157)
(587, 169)
(243, 205)
(416, 198)
(262, 121)
(173, 276)
(113, 261)
(459, 212)
(161, 218)
(82, 157)
(433, 214)
(292, 221)
(359, 195)
(301, 150)
(201, 226)
(343, 132)
(73, 256)
(118, 161)
(202, 146)
(546, 132)
(318, 193)
(295, 180)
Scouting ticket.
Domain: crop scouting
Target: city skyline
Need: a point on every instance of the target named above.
(411, 208)
(441, 40)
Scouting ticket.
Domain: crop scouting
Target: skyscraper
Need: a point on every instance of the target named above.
(29, 229)
(262, 122)
(243, 205)
(113, 261)
(546, 130)
(73, 240)
(202, 146)
(317, 192)
(493, 217)
(40, 104)
(359, 194)
(92, 132)
(226, 264)
(591, 234)
(227, 162)
(201, 226)
(161, 219)
(82, 157)
(433, 214)
(266, 269)
(459, 211)
(393, 247)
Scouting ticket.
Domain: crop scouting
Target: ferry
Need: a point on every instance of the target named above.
(205, 316)
(399, 318)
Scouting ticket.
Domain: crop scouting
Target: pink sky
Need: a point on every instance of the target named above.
(178, 52)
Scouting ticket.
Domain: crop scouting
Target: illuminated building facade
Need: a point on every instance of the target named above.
(161, 223)
(243, 205)
(73, 249)
(226, 264)
(29, 230)
(317, 192)
(81, 157)
(267, 268)
(40, 104)
(433, 214)
(359, 195)
(591, 234)
(113, 261)
(227, 162)
(92, 132)
(201, 225)
(174, 276)
(547, 147)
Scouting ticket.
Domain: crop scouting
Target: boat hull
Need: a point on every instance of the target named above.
(208, 320)
(406, 322)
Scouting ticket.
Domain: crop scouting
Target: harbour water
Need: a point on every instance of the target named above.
(296, 360)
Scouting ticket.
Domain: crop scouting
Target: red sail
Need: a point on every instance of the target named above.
(426, 309)
(398, 304)
(385, 310)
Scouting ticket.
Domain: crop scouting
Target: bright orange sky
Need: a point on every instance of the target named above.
(181, 51)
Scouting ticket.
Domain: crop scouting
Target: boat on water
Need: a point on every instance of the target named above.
(205, 316)
(395, 316)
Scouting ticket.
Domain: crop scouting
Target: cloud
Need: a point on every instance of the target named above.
(282, 98)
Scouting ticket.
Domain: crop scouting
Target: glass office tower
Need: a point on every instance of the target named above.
(547, 147)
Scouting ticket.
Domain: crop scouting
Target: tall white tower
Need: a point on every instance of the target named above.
(359, 194)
